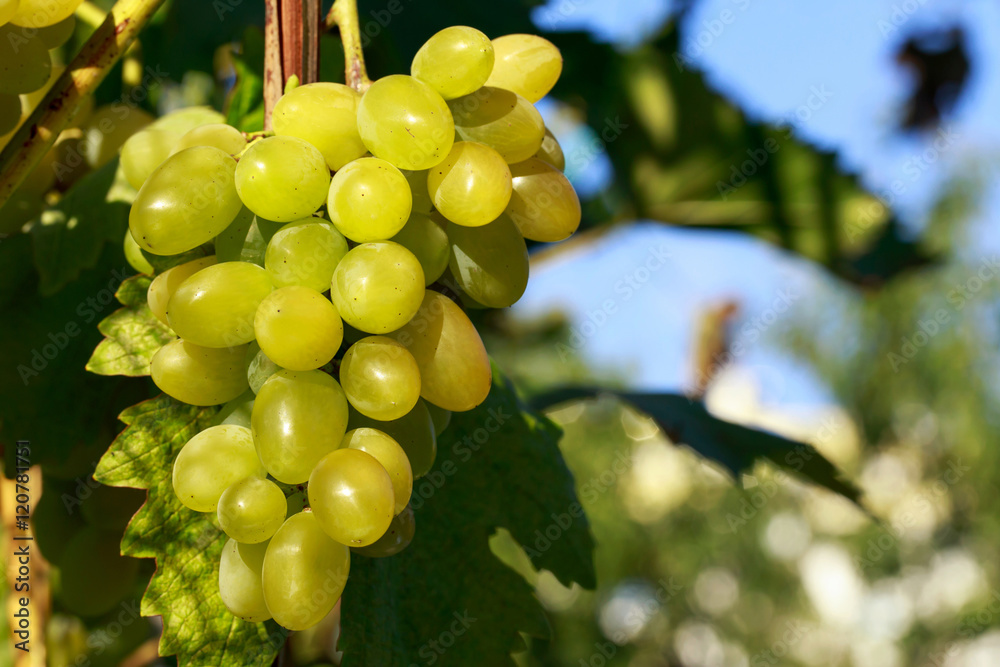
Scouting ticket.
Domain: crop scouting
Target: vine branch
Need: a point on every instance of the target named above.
(344, 15)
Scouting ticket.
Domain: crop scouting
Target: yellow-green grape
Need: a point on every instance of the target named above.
(224, 137)
(305, 253)
(95, 577)
(186, 201)
(502, 120)
(377, 287)
(108, 129)
(259, 367)
(144, 151)
(418, 190)
(489, 263)
(402, 120)
(237, 411)
(392, 457)
(57, 34)
(298, 328)
(544, 205)
(215, 307)
(246, 238)
(440, 417)
(165, 284)
(240, 581)
(454, 62)
(529, 65)
(428, 242)
(351, 495)
(10, 113)
(414, 432)
(252, 510)
(282, 178)
(199, 375)
(369, 200)
(24, 61)
(396, 538)
(455, 371)
(325, 115)
(8, 8)
(304, 572)
(380, 378)
(41, 13)
(211, 462)
(134, 256)
(298, 418)
(471, 186)
(551, 151)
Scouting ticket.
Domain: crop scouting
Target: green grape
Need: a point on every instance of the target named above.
(165, 284)
(454, 62)
(305, 253)
(8, 8)
(471, 186)
(259, 367)
(392, 457)
(297, 502)
(440, 417)
(144, 151)
(211, 462)
(403, 121)
(414, 432)
(24, 62)
(95, 577)
(304, 572)
(376, 287)
(298, 328)
(551, 151)
(380, 378)
(505, 122)
(215, 307)
(351, 496)
(252, 510)
(418, 190)
(224, 137)
(108, 129)
(246, 238)
(282, 178)
(240, 581)
(52, 522)
(544, 205)
(237, 411)
(186, 201)
(10, 113)
(110, 508)
(489, 263)
(134, 256)
(455, 371)
(529, 65)
(325, 115)
(59, 33)
(427, 240)
(298, 418)
(41, 13)
(396, 538)
(369, 200)
(199, 375)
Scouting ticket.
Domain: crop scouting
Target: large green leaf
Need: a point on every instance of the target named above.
(132, 334)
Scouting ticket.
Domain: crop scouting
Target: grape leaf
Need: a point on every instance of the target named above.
(446, 599)
(132, 334)
(186, 544)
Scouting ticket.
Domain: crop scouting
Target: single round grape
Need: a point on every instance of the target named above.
(454, 61)
(351, 495)
(414, 432)
(392, 457)
(282, 178)
(471, 186)
(377, 287)
(224, 137)
(95, 577)
(325, 115)
(305, 253)
(211, 462)
(551, 151)
(10, 113)
(186, 201)
(380, 378)
(403, 121)
(215, 307)
(490, 263)
(199, 375)
(237, 411)
(544, 205)
(502, 120)
(165, 284)
(440, 417)
(144, 151)
(134, 256)
(24, 61)
(8, 8)
(107, 130)
(455, 370)
(428, 242)
(246, 238)
(304, 573)
(529, 65)
(259, 367)
(298, 418)
(369, 200)
(252, 510)
(418, 190)
(396, 538)
(240, 581)
(41, 13)
(57, 34)
(298, 328)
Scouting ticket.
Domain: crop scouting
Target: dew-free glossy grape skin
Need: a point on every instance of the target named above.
(306, 253)
(544, 205)
(502, 120)
(325, 115)
(414, 432)
(240, 582)
(41, 13)
(298, 328)
(396, 538)
(369, 200)
(377, 287)
(380, 378)
(471, 186)
(237, 411)
(455, 370)
(8, 8)
(392, 457)
(304, 573)
(165, 284)
(246, 238)
(226, 138)
(454, 61)
(405, 122)
(215, 307)
(428, 242)
(259, 367)
(144, 151)
(351, 495)
(24, 62)
(134, 256)
(211, 462)
(282, 178)
(251, 510)
(490, 263)
(188, 200)
(199, 375)
(298, 417)
(551, 151)
(529, 65)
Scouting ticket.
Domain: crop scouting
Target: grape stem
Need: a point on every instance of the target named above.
(344, 15)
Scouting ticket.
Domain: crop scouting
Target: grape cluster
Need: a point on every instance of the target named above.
(437, 179)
